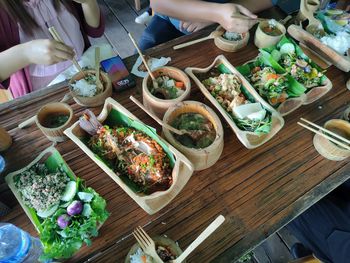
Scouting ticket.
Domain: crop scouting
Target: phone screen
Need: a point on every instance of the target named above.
(118, 73)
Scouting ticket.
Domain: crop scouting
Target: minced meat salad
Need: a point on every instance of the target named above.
(39, 188)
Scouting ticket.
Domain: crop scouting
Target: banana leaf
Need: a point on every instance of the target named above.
(295, 89)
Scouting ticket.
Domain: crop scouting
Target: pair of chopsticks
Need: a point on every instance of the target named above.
(58, 38)
(249, 18)
(333, 137)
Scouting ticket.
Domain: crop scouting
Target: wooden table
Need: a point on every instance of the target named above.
(258, 191)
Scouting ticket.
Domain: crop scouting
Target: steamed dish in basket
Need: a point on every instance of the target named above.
(232, 36)
(167, 88)
(131, 154)
(202, 130)
(86, 87)
(228, 90)
(271, 28)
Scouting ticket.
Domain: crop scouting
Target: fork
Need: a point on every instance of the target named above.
(146, 243)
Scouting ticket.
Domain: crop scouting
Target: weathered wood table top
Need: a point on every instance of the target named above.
(258, 191)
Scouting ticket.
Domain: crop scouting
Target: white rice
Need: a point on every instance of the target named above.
(84, 88)
(340, 42)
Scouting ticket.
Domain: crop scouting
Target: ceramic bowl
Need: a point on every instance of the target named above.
(98, 99)
(159, 106)
(200, 158)
(327, 148)
(159, 240)
(263, 40)
(228, 45)
(56, 108)
(5, 140)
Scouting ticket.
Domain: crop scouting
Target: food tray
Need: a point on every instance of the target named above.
(52, 160)
(182, 169)
(327, 53)
(314, 93)
(248, 139)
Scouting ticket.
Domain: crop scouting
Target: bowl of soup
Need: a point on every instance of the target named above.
(329, 149)
(171, 86)
(204, 142)
(53, 118)
(268, 33)
(231, 41)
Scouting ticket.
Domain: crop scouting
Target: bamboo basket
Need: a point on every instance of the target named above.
(200, 158)
(248, 139)
(182, 170)
(328, 149)
(159, 106)
(262, 40)
(54, 134)
(228, 45)
(98, 99)
(325, 52)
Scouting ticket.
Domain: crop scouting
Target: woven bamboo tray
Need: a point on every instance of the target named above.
(154, 202)
(248, 139)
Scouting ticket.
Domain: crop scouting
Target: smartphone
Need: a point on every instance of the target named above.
(118, 73)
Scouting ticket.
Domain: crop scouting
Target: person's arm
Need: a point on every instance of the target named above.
(201, 11)
(42, 51)
(91, 12)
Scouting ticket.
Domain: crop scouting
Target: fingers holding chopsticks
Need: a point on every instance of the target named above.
(47, 52)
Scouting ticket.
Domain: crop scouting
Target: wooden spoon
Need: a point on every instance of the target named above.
(97, 68)
(212, 35)
(203, 236)
(153, 116)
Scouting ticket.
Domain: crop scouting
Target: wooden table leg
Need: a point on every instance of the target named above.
(138, 5)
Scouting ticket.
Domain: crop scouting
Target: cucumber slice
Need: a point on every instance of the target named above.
(85, 197)
(276, 55)
(70, 191)
(287, 48)
(332, 12)
(87, 210)
(48, 212)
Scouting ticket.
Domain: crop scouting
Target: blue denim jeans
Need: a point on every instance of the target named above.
(164, 28)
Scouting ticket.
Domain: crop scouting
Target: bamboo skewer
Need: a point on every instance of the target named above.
(341, 143)
(153, 116)
(142, 57)
(58, 38)
(154, 81)
(97, 68)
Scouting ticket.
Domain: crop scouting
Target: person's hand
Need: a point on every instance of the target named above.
(238, 25)
(193, 26)
(47, 52)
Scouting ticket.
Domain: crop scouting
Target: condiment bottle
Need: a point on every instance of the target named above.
(5, 140)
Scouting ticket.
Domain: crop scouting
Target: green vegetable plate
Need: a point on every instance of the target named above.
(250, 139)
(75, 213)
(287, 57)
(114, 114)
